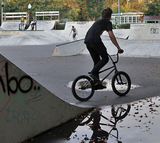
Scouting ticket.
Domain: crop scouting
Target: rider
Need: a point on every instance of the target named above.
(95, 45)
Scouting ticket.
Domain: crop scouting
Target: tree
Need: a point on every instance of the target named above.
(82, 15)
(94, 8)
(153, 8)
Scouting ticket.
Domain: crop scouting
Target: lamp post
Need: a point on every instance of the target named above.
(118, 12)
(2, 5)
(29, 7)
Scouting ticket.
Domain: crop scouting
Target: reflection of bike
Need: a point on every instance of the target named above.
(118, 113)
(83, 86)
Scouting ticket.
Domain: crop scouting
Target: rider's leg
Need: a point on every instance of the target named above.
(99, 55)
(102, 52)
(95, 57)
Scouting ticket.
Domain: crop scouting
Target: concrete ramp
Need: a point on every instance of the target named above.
(26, 107)
(44, 25)
(145, 31)
(10, 25)
(70, 48)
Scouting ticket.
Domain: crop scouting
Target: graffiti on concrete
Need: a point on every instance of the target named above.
(154, 30)
(14, 82)
(17, 83)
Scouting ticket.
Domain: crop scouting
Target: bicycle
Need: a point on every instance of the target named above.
(83, 87)
(118, 113)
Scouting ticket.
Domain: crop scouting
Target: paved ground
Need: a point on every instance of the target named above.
(55, 72)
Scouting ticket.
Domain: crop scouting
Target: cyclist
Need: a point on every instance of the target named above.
(95, 45)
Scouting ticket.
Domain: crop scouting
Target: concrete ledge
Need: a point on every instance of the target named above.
(70, 48)
(148, 31)
(13, 32)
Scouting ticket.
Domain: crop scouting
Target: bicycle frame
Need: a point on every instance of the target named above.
(113, 126)
(114, 67)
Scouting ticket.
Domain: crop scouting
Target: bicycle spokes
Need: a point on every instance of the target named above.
(84, 84)
(83, 88)
(121, 83)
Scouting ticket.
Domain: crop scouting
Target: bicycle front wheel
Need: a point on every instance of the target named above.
(83, 88)
(121, 111)
(121, 83)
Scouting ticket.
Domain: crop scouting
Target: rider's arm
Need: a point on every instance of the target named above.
(114, 41)
(70, 32)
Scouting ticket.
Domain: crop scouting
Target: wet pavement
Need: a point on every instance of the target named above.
(141, 125)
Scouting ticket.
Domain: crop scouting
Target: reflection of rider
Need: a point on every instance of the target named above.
(97, 131)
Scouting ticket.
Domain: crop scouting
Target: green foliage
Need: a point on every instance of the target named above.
(59, 26)
(82, 15)
(153, 9)
(94, 8)
(122, 26)
(81, 10)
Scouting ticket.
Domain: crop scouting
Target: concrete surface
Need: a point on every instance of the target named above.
(55, 73)
(81, 26)
(10, 25)
(32, 53)
(44, 25)
(27, 108)
(145, 31)
(33, 37)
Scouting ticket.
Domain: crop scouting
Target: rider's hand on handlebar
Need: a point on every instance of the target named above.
(120, 51)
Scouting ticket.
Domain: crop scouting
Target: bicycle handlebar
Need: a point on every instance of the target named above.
(110, 56)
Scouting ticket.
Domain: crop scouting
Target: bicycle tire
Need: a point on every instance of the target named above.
(83, 88)
(115, 112)
(121, 83)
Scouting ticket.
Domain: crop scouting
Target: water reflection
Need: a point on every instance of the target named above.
(137, 122)
(101, 136)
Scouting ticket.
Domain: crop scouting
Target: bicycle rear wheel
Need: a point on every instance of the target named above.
(121, 83)
(83, 88)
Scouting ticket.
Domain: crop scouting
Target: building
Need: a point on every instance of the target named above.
(127, 18)
(151, 19)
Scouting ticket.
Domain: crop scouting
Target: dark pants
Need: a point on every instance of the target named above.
(99, 133)
(99, 55)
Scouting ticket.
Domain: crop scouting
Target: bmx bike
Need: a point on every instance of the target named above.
(83, 87)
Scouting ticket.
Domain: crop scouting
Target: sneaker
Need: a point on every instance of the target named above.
(99, 86)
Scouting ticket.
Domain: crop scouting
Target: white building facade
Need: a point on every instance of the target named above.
(127, 18)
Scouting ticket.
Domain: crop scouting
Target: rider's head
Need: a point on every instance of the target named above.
(106, 13)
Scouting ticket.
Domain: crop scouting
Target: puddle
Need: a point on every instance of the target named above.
(106, 83)
(141, 125)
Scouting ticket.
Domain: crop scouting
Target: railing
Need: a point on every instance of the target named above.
(48, 13)
(14, 15)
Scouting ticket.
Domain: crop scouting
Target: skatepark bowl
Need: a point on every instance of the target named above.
(36, 98)
(141, 125)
